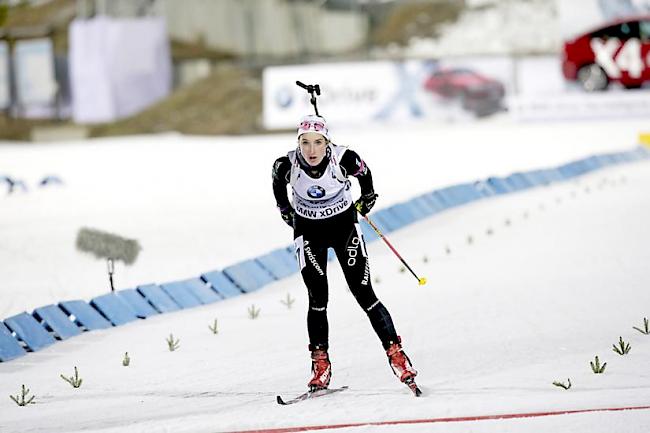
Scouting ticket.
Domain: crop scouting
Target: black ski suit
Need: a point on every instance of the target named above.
(341, 232)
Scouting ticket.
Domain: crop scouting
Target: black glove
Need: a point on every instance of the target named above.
(287, 215)
(365, 203)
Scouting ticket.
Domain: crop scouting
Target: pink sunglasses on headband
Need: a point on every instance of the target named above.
(316, 126)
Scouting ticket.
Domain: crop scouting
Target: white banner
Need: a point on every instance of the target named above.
(5, 99)
(35, 82)
(582, 106)
(387, 91)
(349, 92)
(117, 67)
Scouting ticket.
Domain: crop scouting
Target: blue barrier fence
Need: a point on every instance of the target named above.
(46, 325)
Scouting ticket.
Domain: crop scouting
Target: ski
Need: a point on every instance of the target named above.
(413, 387)
(310, 394)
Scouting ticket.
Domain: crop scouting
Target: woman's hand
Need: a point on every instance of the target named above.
(365, 203)
(287, 215)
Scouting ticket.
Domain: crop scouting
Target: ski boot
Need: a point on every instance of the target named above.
(401, 366)
(320, 367)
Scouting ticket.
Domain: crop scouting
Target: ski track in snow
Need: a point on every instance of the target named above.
(499, 320)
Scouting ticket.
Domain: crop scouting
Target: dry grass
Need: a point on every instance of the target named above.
(227, 102)
(50, 14)
(181, 50)
(21, 129)
(416, 18)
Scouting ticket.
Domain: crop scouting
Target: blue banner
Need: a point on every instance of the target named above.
(4, 76)
(35, 81)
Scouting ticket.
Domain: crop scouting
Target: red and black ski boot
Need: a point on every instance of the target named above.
(320, 367)
(402, 367)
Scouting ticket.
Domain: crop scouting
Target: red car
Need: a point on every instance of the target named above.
(616, 52)
(479, 94)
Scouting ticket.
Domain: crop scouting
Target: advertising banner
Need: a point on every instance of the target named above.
(601, 70)
(5, 99)
(447, 90)
(581, 106)
(384, 91)
(544, 94)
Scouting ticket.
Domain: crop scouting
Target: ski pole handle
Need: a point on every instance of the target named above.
(421, 281)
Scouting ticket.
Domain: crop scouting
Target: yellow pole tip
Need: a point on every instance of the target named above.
(644, 138)
(422, 281)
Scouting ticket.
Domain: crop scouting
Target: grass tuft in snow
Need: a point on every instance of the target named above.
(22, 399)
(623, 348)
(562, 384)
(253, 312)
(214, 328)
(596, 367)
(172, 344)
(126, 361)
(288, 301)
(75, 380)
(645, 329)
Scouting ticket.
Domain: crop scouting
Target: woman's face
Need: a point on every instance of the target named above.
(313, 147)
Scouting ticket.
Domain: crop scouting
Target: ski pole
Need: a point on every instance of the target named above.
(311, 89)
(422, 281)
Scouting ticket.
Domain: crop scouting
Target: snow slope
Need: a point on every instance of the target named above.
(562, 275)
(498, 28)
(201, 203)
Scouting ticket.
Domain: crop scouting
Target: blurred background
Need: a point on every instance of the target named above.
(72, 69)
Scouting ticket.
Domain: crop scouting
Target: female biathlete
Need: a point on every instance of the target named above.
(323, 215)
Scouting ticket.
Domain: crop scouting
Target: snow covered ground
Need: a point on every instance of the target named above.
(496, 27)
(201, 203)
(562, 275)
